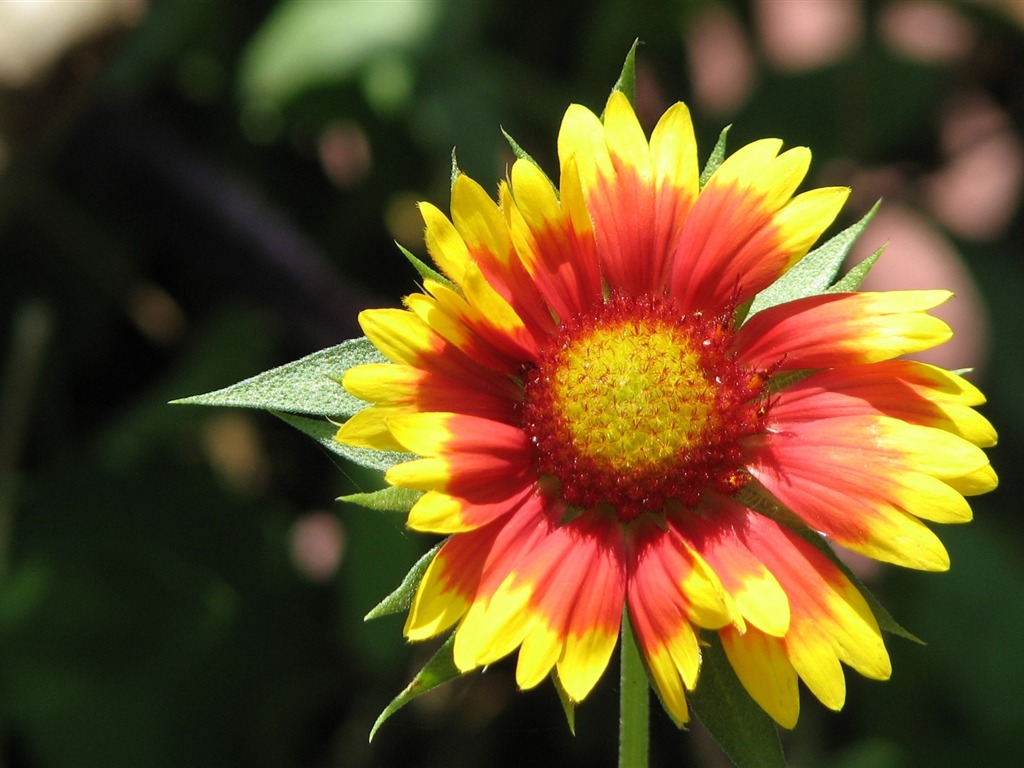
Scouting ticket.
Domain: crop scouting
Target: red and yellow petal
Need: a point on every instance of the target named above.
(562, 601)
(437, 434)
(495, 322)
(842, 329)
(415, 390)
(462, 454)
(404, 338)
(500, 285)
(831, 621)
(450, 322)
(670, 590)
(859, 481)
(914, 392)
(719, 533)
(636, 211)
(472, 562)
(676, 180)
(744, 231)
(478, 258)
(592, 628)
(437, 512)
(554, 242)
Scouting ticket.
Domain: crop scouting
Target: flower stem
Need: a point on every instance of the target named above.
(633, 703)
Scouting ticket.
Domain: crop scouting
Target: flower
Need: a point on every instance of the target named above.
(596, 430)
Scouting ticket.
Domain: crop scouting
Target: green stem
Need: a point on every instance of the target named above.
(633, 703)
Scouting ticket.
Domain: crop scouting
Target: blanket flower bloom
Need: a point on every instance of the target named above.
(593, 426)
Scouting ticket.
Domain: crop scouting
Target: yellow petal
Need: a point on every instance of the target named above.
(703, 589)
(815, 661)
(764, 670)
(437, 513)
(981, 480)
(674, 151)
(668, 685)
(584, 659)
(398, 334)
(445, 244)
(685, 651)
(855, 635)
(902, 539)
(420, 474)
(932, 499)
(425, 434)
(436, 605)
(381, 382)
(368, 429)
(803, 220)
(493, 628)
(539, 653)
(478, 219)
(763, 603)
(624, 136)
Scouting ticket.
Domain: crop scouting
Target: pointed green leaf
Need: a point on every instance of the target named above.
(310, 385)
(814, 273)
(568, 705)
(851, 280)
(742, 729)
(627, 78)
(455, 169)
(440, 669)
(522, 154)
(426, 271)
(390, 499)
(716, 157)
(401, 599)
(323, 432)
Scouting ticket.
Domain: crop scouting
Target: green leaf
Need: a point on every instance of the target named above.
(401, 599)
(439, 670)
(310, 385)
(522, 154)
(742, 729)
(716, 157)
(426, 271)
(627, 78)
(456, 172)
(568, 705)
(323, 431)
(851, 280)
(814, 273)
(390, 499)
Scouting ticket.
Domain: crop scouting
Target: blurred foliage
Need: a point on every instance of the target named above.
(219, 193)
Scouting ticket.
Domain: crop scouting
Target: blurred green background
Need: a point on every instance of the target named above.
(192, 191)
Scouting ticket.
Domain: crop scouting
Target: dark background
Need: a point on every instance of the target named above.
(192, 191)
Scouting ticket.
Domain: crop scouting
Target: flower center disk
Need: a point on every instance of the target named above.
(635, 406)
